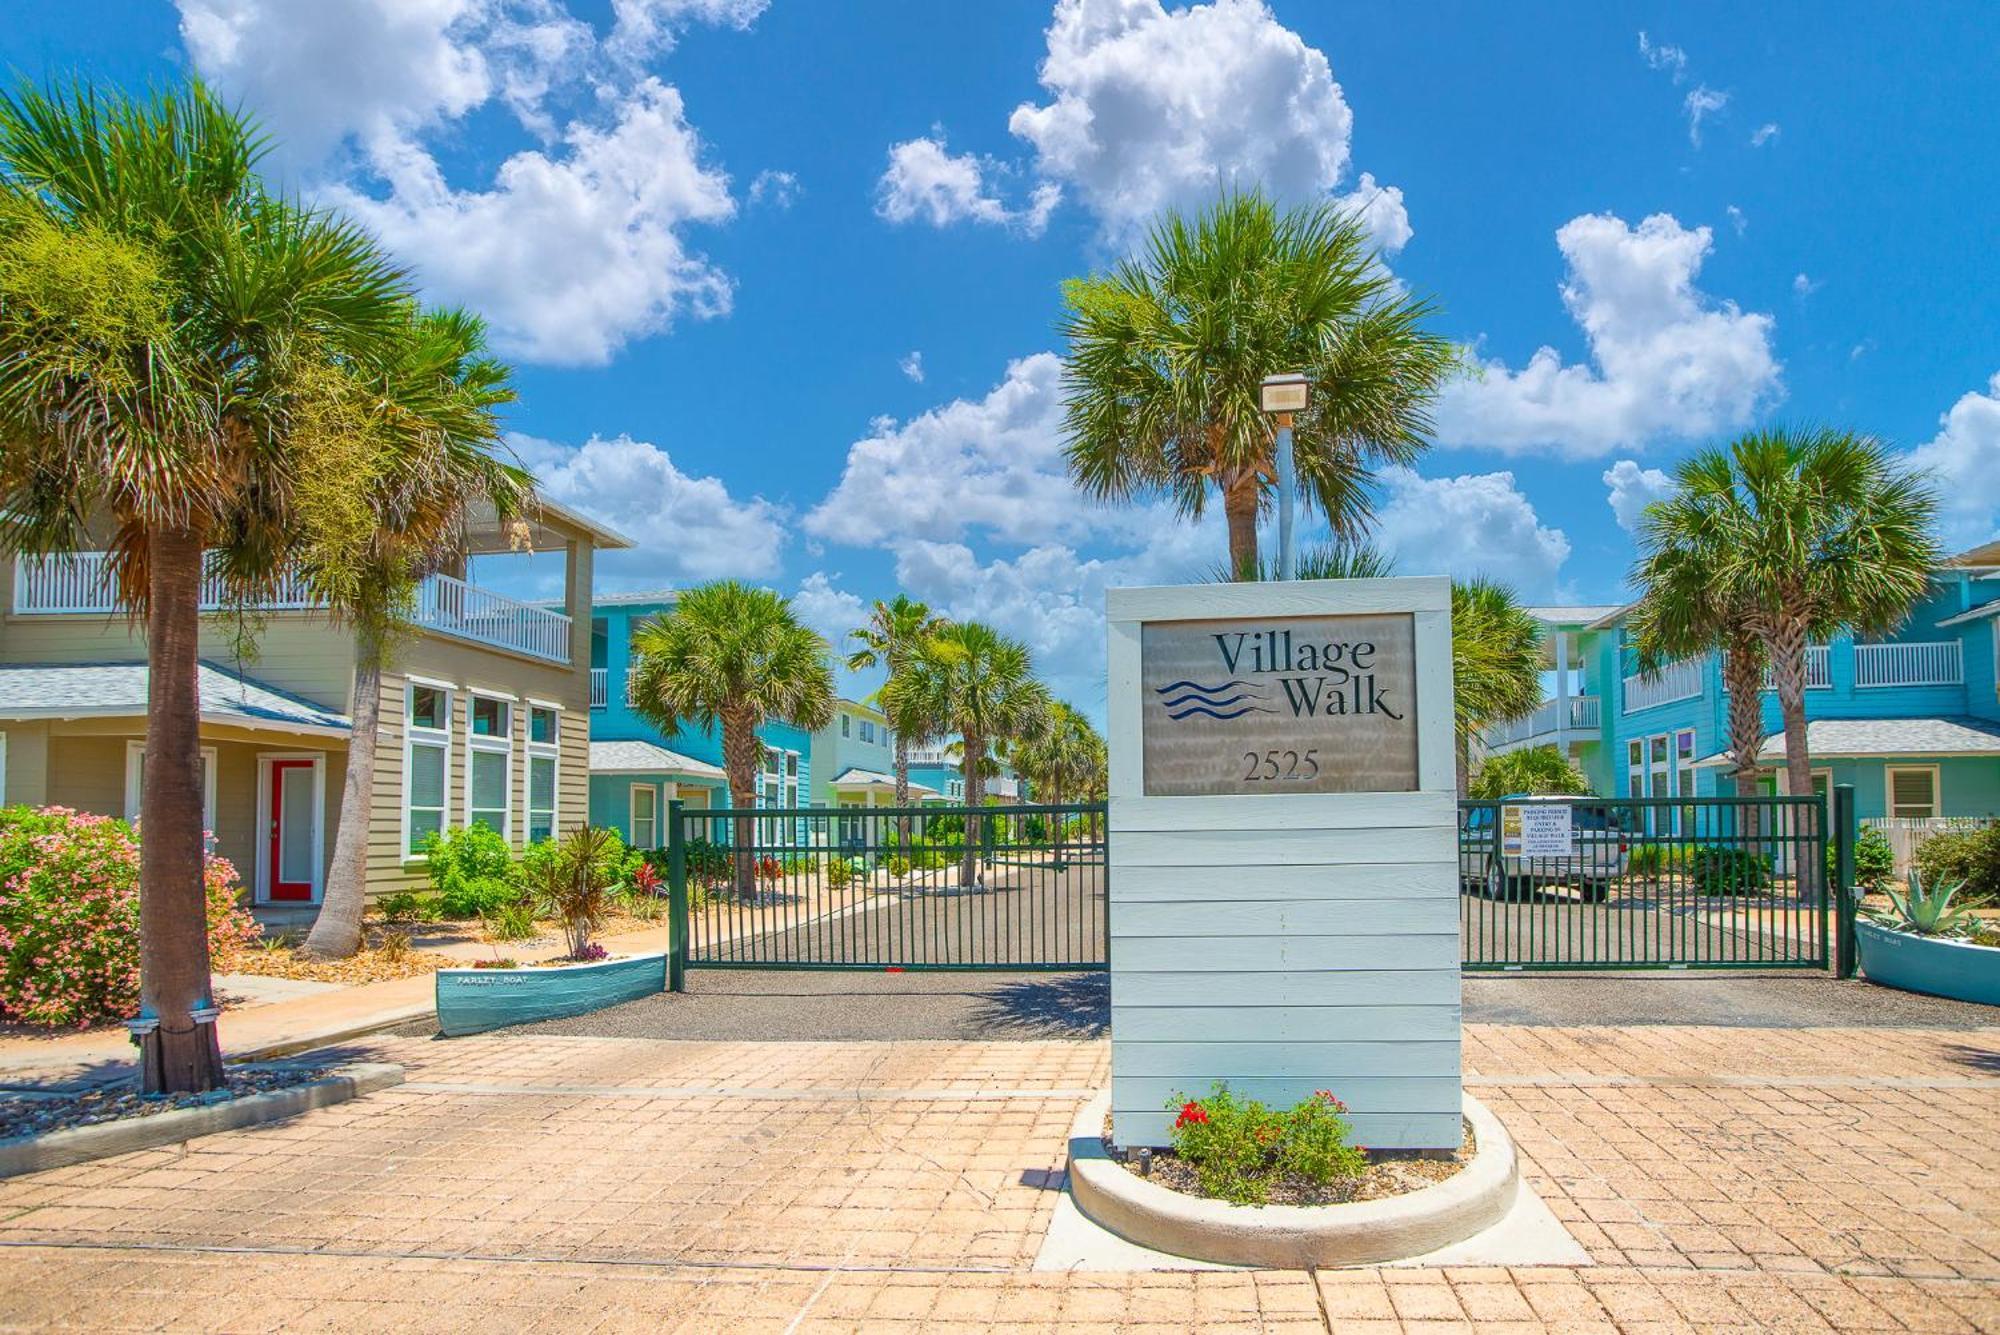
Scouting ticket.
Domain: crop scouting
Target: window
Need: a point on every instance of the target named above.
(1684, 763)
(1635, 768)
(867, 731)
(541, 814)
(135, 783)
(1912, 789)
(489, 753)
(426, 763)
(845, 720)
(645, 816)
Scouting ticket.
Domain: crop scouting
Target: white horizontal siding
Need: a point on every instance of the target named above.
(1302, 918)
(1286, 811)
(1249, 851)
(1351, 987)
(1292, 1024)
(1376, 882)
(1284, 1059)
(1361, 1094)
(1237, 954)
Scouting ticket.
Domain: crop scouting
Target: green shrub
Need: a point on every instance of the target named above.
(471, 869)
(1727, 871)
(838, 873)
(1240, 1149)
(1658, 859)
(514, 921)
(1971, 856)
(1541, 770)
(69, 916)
(409, 906)
(899, 865)
(1874, 860)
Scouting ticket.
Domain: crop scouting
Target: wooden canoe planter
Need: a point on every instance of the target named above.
(471, 1001)
(1934, 965)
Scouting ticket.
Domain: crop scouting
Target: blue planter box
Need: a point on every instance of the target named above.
(1929, 964)
(470, 1001)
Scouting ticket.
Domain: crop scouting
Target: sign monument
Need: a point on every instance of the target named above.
(1284, 857)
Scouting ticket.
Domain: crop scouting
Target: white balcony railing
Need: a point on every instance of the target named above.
(450, 606)
(599, 687)
(1546, 722)
(1819, 670)
(1680, 680)
(81, 582)
(1932, 663)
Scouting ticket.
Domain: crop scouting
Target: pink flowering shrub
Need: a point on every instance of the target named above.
(69, 916)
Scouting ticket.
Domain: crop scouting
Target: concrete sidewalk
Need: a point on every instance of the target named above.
(272, 1028)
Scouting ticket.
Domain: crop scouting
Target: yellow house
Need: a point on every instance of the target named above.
(485, 713)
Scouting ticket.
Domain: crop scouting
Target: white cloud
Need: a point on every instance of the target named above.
(1150, 108)
(641, 28)
(684, 528)
(1764, 134)
(778, 189)
(1737, 219)
(569, 255)
(1667, 359)
(993, 465)
(830, 610)
(1964, 462)
(924, 182)
(1380, 208)
(1473, 524)
(912, 365)
(1660, 56)
(1701, 103)
(1632, 489)
(1803, 287)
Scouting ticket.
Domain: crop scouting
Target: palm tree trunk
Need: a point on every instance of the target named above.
(974, 748)
(179, 1054)
(739, 758)
(1788, 671)
(1743, 680)
(336, 932)
(1240, 495)
(1462, 759)
(903, 786)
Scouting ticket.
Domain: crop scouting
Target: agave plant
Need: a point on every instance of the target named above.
(1927, 912)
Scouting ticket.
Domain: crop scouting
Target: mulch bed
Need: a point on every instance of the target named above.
(371, 964)
(37, 1116)
(1388, 1174)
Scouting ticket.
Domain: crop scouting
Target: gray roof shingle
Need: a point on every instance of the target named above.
(112, 690)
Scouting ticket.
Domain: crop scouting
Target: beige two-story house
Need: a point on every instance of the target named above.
(485, 712)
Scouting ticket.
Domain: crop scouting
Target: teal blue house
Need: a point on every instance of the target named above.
(1911, 719)
(635, 770)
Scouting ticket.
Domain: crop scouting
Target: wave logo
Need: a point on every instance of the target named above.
(1224, 700)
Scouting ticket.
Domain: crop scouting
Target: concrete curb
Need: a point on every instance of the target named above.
(80, 1144)
(1294, 1236)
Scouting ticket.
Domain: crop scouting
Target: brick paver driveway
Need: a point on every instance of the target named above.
(1799, 1179)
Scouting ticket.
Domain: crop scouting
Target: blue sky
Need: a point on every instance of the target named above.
(780, 278)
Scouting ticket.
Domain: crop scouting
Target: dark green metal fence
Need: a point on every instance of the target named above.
(1646, 883)
(995, 888)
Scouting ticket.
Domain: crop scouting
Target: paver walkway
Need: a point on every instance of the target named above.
(1800, 1179)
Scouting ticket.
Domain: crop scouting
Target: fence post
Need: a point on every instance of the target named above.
(677, 899)
(1846, 833)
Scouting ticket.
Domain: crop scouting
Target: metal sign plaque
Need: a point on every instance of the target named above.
(1314, 704)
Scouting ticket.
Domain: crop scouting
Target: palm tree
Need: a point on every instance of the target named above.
(1496, 655)
(1062, 759)
(159, 313)
(1167, 355)
(1803, 533)
(737, 656)
(893, 632)
(981, 685)
(396, 458)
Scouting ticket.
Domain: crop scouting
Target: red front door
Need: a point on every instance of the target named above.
(294, 819)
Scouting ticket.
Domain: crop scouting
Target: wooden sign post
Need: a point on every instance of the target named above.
(1284, 853)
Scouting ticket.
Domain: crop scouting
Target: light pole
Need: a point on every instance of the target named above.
(1282, 396)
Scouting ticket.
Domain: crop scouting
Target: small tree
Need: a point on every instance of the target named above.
(1538, 770)
(572, 883)
(893, 633)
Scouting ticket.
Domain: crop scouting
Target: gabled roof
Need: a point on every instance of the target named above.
(1573, 616)
(1840, 738)
(856, 777)
(648, 758)
(606, 539)
(118, 690)
(1978, 613)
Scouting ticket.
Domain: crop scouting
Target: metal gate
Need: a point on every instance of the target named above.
(1012, 888)
(1645, 883)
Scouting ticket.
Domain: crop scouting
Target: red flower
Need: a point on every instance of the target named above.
(1191, 1114)
(1326, 1096)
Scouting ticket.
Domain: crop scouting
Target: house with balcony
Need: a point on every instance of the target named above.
(1911, 718)
(635, 770)
(937, 767)
(854, 761)
(484, 711)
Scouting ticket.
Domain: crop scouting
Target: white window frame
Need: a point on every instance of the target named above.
(135, 759)
(632, 815)
(532, 751)
(500, 744)
(435, 737)
(868, 731)
(261, 893)
(3, 769)
(1889, 773)
(846, 722)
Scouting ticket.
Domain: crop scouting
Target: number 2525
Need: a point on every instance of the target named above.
(1279, 766)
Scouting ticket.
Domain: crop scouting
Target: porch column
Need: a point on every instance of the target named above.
(1562, 691)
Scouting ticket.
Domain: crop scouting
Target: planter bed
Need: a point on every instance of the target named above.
(52, 1132)
(1477, 1192)
(1935, 965)
(471, 1001)
(1386, 1177)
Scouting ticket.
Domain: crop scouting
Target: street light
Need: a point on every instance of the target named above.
(1282, 396)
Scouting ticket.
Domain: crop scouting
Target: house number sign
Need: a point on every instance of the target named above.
(1312, 704)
